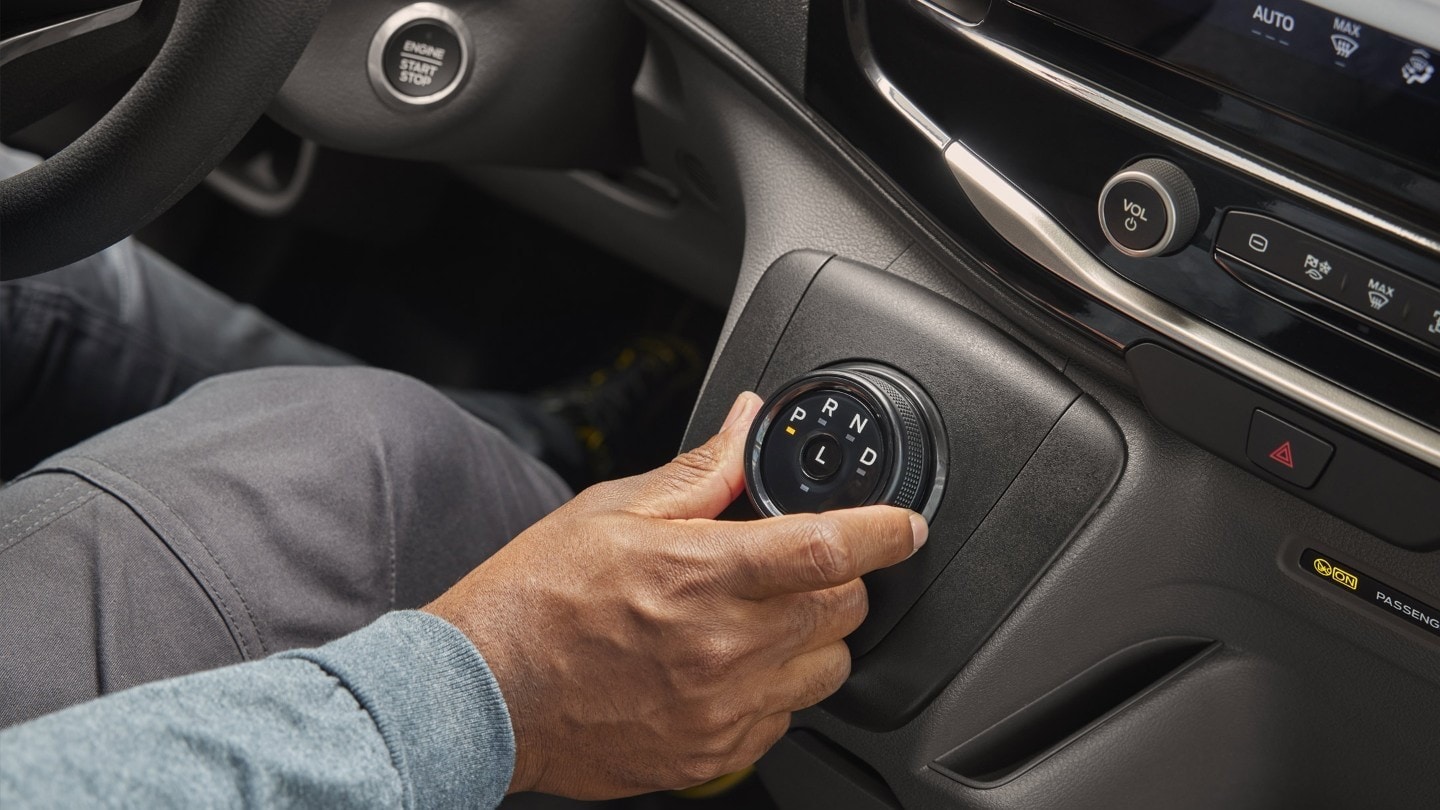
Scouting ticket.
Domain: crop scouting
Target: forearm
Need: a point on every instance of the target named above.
(403, 712)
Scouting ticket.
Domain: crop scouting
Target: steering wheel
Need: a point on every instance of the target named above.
(216, 72)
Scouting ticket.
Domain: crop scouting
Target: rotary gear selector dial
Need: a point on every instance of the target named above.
(849, 435)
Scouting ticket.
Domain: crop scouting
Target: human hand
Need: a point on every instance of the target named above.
(642, 645)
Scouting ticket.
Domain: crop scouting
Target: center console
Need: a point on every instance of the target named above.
(1231, 240)
(1248, 194)
(926, 438)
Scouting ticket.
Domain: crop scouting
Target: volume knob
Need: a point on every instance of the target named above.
(1149, 209)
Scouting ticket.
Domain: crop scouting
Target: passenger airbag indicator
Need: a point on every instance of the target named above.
(1377, 594)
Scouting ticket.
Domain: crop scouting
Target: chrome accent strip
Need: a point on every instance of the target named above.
(1032, 231)
(31, 41)
(375, 61)
(859, 35)
(1184, 136)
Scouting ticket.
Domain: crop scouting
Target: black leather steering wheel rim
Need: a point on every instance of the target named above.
(215, 75)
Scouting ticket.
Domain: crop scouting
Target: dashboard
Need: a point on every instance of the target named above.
(1264, 231)
(1138, 302)
(1221, 591)
(1344, 75)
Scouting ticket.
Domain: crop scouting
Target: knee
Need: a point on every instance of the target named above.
(342, 421)
(334, 398)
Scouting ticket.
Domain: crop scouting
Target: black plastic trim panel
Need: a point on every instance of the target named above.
(1395, 501)
(1019, 433)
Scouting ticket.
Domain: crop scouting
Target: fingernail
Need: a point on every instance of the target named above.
(920, 529)
(737, 410)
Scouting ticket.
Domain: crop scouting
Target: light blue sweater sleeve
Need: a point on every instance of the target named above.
(404, 712)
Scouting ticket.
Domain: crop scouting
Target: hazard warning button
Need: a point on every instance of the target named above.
(1287, 451)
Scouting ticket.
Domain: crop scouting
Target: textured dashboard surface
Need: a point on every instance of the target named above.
(1186, 545)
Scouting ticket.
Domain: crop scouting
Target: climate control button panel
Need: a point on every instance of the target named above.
(1339, 277)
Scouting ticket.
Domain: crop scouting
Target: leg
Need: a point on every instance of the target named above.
(106, 339)
(88, 346)
(91, 345)
(258, 512)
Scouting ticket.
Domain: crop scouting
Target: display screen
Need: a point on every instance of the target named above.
(1346, 77)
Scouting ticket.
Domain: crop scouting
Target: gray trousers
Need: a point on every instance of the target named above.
(260, 511)
(111, 337)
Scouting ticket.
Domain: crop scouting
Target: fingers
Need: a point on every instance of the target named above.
(811, 677)
(760, 738)
(801, 683)
(702, 482)
(815, 619)
(798, 553)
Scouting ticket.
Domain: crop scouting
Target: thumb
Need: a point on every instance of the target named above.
(702, 482)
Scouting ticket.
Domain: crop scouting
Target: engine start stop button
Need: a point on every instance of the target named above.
(419, 54)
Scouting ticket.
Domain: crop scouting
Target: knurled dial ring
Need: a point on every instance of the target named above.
(844, 436)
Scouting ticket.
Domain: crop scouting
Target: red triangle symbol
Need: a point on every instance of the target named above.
(1283, 455)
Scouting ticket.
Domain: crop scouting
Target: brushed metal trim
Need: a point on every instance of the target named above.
(31, 41)
(859, 36)
(1032, 231)
(1024, 224)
